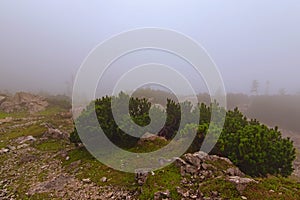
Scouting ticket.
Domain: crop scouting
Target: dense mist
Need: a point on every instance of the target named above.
(44, 43)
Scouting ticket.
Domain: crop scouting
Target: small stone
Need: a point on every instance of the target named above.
(110, 194)
(141, 176)
(22, 146)
(272, 191)
(204, 166)
(29, 138)
(67, 158)
(214, 193)
(44, 167)
(166, 193)
(86, 180)
(201, 154)
(161, 195)
(241, 183)
(4, 150)
(104, 179)
(234, 171)
(243, 197)
(12, 148)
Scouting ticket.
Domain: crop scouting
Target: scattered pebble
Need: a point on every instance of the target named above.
(4, 150)
(86, 180)
(104, 179)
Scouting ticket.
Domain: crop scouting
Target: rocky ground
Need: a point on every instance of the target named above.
(38, 162)
(22, 100)
(29, 171)
(32, 167)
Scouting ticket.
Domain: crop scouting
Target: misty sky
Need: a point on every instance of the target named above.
(43, 43)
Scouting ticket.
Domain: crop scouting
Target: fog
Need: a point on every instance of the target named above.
(43, 43)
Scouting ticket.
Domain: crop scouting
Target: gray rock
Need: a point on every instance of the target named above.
(150, 137)
(179, 162)
(214, 193)
(12, 148)
(201, 154)
(55, 134)
(4, 150)
(141, 176)
(6, 120)
(240, 183)
(190, 169)
(234, 171)
(2, 99)
(193, 160)
(22, 146)
(24, 139)
(86, 180)
(23, 101)
(104, 179)
(161, 195)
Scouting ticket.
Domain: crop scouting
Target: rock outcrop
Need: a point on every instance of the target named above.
(198, 167)
(23, 101)
(54, 133)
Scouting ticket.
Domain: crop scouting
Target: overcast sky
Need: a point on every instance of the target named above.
(43, 43)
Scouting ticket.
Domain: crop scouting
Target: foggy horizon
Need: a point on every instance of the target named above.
(43, 44)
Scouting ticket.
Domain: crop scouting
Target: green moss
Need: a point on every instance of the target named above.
(219, 164)
(226, 189)
(14, 114)
(51, 145)
(51, 110)
(149, 146)
(93, 169)
(284, 188)
(34, 130)
(164, 179)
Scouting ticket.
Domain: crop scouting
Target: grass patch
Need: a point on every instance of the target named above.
(226, 189)
(93, 169)
(51, 145)
(51, 110)
(164, 179)
(14, 114)
(284, 188)
(34, 130)
(149, 146)
(219, 164)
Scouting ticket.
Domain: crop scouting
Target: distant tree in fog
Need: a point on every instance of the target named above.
(267, 91)
(254, 87)
(69, 86)
(282, 91)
